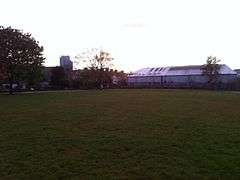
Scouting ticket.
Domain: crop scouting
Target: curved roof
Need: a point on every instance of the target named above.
(179, 70)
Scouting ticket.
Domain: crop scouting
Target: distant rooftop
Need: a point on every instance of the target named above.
(237, 70)
(178, 70)
(192, 67)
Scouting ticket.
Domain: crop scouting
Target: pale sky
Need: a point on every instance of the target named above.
(138, 33)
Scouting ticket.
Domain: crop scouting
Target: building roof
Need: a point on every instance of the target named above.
(237, 70)
(178, 70)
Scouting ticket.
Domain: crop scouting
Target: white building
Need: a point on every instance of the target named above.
(177, 76)
(238, 72)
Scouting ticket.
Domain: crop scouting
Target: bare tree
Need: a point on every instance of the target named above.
(98, 62)
(94, 59)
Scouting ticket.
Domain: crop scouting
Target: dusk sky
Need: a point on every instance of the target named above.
(138, 33)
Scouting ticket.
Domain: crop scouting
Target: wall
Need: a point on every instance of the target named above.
(196, 81)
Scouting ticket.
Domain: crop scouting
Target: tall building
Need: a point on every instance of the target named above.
(66, 63)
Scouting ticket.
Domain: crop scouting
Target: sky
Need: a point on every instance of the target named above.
(137, 33)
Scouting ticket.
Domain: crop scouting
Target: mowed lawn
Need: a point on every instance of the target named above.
(167, 134)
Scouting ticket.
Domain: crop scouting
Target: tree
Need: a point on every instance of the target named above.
(58, 78)
(120, 79)
(21, 57)
(97, 61)
(211, 70)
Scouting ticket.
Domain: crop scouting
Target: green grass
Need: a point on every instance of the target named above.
(168, 134)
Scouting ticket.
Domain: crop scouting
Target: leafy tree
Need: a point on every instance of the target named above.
(21, 57)
(211, 70)
(58, 78)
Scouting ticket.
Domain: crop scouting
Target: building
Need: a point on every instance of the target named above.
(238, 72)
(47, 73)
(177, 76)
(47, 76)
(66, 63)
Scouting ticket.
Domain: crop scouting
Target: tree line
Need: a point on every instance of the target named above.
(21, 62)
(87, 78)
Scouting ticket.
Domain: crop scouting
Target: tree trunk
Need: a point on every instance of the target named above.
(11, 87)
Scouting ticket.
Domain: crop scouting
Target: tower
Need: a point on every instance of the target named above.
(66, 63)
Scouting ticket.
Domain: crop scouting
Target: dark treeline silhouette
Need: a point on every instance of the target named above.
(21, 68)
(85, 79)
(99, 78)
(96, 74)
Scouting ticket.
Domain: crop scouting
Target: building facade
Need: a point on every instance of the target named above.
(178, 76)
(238, 72)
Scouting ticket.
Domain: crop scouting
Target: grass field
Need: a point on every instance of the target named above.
(109, 134)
